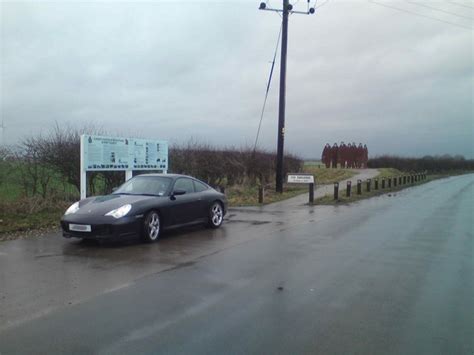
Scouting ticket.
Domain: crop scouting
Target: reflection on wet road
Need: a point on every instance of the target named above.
(386, 275)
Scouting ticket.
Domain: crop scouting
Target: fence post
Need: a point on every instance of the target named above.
(395, 180)
(412, 179)
(376, 183)
(348, 188)
(261, 192)
(336, 190)
(368, 185)
(359, 187)
(404, 180)
(383, 183)
(311, 192)
(390, 182)
(399, 180)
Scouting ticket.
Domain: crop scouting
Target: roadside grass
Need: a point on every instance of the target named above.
(248, 195)
(324, 176)
(354, 197)
(389, 172)
(30, 214)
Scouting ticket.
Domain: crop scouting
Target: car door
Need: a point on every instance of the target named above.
(184, 208)
(204, 203)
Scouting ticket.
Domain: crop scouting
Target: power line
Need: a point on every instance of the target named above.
(440, 10)
(419, 15)
(324, 3)
(268, 89)
(463, 5)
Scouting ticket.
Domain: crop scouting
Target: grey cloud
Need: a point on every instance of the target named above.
(356, 71)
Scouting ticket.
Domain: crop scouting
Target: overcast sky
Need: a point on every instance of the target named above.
(357, 71)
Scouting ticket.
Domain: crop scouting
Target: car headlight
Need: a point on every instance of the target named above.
(120, 212)
(72, 209)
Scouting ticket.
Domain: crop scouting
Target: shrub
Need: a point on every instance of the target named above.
(427, 163)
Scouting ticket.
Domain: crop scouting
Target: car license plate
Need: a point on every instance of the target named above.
(80, 227)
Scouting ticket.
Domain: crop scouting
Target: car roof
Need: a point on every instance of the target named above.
(173, 176)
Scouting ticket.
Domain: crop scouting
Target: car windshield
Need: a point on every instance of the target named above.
(145, 185)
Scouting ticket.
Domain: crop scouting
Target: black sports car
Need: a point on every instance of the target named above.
(143, 206)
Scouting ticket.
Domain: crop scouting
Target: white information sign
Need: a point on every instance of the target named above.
(300, 179)
(100, 153)
(120, 154)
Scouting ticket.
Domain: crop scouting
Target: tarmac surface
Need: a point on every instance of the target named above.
(392, 274)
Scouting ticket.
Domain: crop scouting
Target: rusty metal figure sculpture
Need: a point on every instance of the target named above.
(346, 156)
(342, 155)
(366, 156)
(334, 155)
(353, 154)
(326, 155)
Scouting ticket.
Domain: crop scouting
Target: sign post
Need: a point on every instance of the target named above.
(100, 153)
(303, 179)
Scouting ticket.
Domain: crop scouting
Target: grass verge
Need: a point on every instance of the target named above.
(343, 199)
(323, 175)
(29, 214)
(248, 195)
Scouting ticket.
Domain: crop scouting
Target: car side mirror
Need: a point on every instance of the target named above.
(178, 192)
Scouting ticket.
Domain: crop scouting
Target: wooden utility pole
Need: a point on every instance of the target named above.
(287, 9)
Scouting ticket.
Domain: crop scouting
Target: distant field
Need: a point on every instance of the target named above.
(11, 185)
(389, 172)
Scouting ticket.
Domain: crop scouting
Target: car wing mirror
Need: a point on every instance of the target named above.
(178, 192)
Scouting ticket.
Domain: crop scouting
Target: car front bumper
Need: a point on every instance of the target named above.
(102, 228)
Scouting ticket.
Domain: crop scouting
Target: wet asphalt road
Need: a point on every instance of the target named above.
(393, 274)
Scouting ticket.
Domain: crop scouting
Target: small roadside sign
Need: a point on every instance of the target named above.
(300, 179)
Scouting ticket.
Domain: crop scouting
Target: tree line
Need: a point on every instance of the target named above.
(433, 164)
(55, 157)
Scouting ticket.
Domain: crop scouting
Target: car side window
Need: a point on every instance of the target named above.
(184, 184)
(199, 186)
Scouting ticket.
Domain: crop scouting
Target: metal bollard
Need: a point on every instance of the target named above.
(404, 180)
(359, 187)
(368, 185)
(376, 183)
(311, 192)
(348, 188)
(336, 190)
(412, 179)
(395, 180)
(261, 192)
(389, 182)
(399, 180)
(383, 183)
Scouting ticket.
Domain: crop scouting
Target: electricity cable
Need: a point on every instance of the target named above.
(268, 89)
(420, 15)
(440, 10)
(463, 5)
